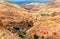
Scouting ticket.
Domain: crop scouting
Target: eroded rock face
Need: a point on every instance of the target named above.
(33, 7)
(47, 23)
(46, 26)
(5, 34)
(14, 18)
(36, 7)
(13, 15)
(43, 24)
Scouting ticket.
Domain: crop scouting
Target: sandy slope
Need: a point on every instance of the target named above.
(5, 34)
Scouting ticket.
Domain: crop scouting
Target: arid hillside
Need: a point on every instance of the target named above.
(47, 23)
(5, 34)
(36, 7)
(11, 13)
(13, 18)
(30, 21)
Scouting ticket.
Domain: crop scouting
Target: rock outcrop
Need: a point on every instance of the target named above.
(13, 15)
(47, 23)
(5, 34)
(13, 18)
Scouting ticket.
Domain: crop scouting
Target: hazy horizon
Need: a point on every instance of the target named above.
(28, 1)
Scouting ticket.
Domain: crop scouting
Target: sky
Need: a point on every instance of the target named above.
(29, 0)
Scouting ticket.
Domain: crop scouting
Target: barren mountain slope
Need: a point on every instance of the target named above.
(44, 22)
(46, 25)
(13, 15)
(14, 18)
(5, 34)
(35, 7)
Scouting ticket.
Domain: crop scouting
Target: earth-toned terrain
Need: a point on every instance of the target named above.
(47, 23)
(30, 21)
(36, 7)
(14, 18)
(5, 34)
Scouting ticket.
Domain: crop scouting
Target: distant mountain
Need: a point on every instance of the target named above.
(28, 1)
(37, 6)
(23, 2)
